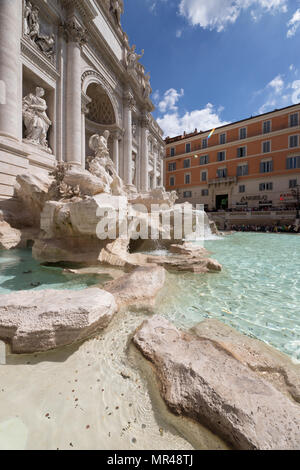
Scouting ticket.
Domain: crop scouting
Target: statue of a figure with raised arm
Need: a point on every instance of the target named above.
(117, 9)
(133, 58)
(102, 165)
(35, 119)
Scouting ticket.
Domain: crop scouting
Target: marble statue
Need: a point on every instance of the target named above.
(147, 86)
(32, 29)
(103, 167)
(133, 58)
(117, 9)
(35, 119)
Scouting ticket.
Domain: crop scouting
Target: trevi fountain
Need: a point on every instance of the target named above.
(127, 321)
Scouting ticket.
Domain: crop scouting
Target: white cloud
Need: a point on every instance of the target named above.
(169, 100)
(179, 33)
(294, 24)
(217, 14)
(279, 93)
(174, 124)
(277, 84)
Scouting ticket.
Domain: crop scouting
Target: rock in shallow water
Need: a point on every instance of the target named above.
(42, 320)
(201, 379)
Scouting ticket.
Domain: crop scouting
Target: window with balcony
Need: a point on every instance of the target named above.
(293, 141)
(172, 166)
(293, 163)
(172, 181)
(204, 143)
(266, 167)
(293, 184)
(242, 188)
(241, 152)
(172, 152)
(266, 187)
(222, 139)
(243, 133)
(187, 163)
(266, 146)
(204, 192)
(221, 156)
(267, 127)
(294, 120)
(243, 170)
(188, 148)
(204, 160)
(187, 178)
(222, 173)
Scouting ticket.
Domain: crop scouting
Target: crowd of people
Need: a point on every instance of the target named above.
(265, 228)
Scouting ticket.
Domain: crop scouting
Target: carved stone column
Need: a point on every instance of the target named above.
(10, 69)
(155, 150)
(129, 104)
(116, 156)
(162, 168)
(76, 36)
(85, 101)
(145, 153)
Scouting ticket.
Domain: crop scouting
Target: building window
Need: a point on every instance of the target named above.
(204, 176)
(204, 143)
(293, 184)
(293, 141)
(266, 127)
(266, 147)
(204, 192)
(187, 194)
(172, 181)
(188, 148)
(293, 163)
(204, 160)
(242, 189)
(222, 173)
(243, 170)
(241, 152)
(172, 166)
(187, 163)
(294, 120)
(243, 133)
(221, 156)
(222, 139)
(266, 167)
(266, 187)
(173, 152)
(187, 179)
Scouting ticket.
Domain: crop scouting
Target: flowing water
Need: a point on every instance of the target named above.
(93, 395)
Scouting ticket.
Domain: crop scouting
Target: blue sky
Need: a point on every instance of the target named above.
(216, 61)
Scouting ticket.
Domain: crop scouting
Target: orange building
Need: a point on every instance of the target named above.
(253, 163)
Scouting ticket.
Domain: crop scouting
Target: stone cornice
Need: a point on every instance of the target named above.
(38, 59)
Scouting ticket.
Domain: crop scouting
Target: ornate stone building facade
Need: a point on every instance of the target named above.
(67, 71)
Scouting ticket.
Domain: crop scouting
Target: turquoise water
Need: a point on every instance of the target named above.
(257, 293)
(19, 271)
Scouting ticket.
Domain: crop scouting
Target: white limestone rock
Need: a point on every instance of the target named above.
(9, 237)
(88, 184)
(32, 191)
(35, 321)
(201, 379)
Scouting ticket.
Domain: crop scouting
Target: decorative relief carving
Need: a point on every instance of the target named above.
(74, 32)
(36, 120)
(101, 111)
(129, 101)
(45, 43)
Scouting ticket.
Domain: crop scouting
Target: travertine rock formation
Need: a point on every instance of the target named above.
(32, 192)
(211, 382)
(9, 237)
(35, 321)
(139, 287)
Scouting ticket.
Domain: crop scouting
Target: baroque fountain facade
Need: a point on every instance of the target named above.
(78, 143)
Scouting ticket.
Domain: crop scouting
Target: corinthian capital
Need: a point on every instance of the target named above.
(129, 100)
(145, 120)
(75, 32)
